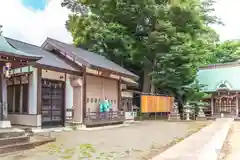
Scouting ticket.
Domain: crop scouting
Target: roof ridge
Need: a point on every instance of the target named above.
(57, 40)
(220, 65)
(79, 48)
(22, 42)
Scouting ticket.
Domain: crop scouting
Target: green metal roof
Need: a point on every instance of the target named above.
(7, 49)
(215, 78)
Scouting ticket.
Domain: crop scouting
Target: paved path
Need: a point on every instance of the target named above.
(205, 144)
(231, 150)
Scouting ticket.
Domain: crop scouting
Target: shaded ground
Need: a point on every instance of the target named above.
(231, 148)
(135, 142)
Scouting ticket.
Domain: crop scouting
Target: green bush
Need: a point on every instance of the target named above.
(83, 152)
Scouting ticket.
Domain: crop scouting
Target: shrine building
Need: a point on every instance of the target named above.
(57, 83)
(222, 81)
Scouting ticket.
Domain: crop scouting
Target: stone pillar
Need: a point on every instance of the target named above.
(77, 86)
(174, 114)
(68, 97)
(212, 105)
(237, 104)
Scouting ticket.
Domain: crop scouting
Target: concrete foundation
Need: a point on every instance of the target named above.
(5, 124)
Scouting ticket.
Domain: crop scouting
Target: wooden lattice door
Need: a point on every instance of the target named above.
(225, 105)
(52, 102)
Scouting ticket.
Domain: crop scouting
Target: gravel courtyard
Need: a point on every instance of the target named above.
(138, 141)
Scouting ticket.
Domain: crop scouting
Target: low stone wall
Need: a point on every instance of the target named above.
(203, 145)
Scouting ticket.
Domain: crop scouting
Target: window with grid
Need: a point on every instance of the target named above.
(17, 94)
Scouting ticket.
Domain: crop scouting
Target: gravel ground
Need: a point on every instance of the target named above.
(135, 142)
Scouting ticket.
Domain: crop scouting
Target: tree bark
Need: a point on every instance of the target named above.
(152, 84)
(152, 88)
(146, 79)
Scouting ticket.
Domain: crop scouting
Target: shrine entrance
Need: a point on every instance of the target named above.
(225, 102)
(52, 102)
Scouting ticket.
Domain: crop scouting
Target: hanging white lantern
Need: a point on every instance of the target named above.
(6, 69)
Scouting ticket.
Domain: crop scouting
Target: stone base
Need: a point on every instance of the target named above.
(174, 117)
(76, 125)
(5, 124)
(201, 118)
(129, 121)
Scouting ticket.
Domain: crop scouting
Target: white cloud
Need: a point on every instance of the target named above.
(228, 11)
(31, 26)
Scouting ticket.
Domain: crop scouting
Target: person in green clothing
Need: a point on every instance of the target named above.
(105, 106)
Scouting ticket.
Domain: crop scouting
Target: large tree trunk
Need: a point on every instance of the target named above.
(180, 106)
(146, 79)
(152, 88)
(152, 84)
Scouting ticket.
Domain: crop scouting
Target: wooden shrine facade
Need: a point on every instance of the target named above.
(226, 102)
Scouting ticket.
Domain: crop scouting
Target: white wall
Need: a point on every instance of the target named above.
(127, 94)
(24, 119)
(32, 102)
(53, 75)
(68, 96)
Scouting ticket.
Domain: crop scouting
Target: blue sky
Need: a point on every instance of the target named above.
(35, 4)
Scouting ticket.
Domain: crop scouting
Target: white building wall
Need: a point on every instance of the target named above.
(32, 102)
(127, 94)
(48, 74)
(24, 119)
(68, 96)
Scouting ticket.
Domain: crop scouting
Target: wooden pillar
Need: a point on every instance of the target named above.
(212, 106)
(3, 97)
(237, 104)
(84, 89)
(39, 90)
(64, 101)
(21, 99)
(120, 93)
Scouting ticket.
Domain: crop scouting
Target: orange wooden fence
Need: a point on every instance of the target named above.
(156, 103)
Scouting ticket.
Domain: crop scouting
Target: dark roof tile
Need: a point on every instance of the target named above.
(92, 58)
(48, 58)
(5, 47)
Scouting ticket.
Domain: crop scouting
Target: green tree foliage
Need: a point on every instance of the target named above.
(166, 40)
(190, 45)
(195, 96)
(228, 51)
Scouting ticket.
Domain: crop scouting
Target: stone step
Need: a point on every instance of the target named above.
(16, 147)
(211, 118)
(7, 133)
(13, 148)
(14, 140)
